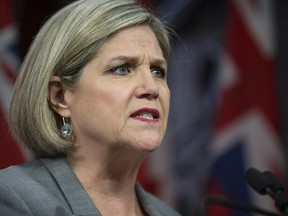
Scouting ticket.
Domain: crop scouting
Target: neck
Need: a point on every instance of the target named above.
(109, 178)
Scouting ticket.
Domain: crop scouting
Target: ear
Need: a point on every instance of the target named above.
(57, 97)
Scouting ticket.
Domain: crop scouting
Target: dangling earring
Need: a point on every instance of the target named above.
(66, 129)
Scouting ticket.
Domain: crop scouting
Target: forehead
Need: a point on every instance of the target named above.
(134, 45)
(142, 36)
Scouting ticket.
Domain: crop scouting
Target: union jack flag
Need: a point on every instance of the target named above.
(247, 128)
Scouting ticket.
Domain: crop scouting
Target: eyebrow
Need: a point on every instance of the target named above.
(132, 59)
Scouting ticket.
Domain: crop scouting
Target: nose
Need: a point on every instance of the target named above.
(147, 87)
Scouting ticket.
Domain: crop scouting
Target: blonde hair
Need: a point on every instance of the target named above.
(63, 46)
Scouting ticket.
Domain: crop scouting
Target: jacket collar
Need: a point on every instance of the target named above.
(76, 196)
(74, 193)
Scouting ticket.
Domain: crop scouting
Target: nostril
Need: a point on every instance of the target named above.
(149, 96)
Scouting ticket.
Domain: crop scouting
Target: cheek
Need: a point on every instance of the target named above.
(166, 99)
(111, 103)
(165, 103)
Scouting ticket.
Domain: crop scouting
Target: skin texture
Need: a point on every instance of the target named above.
(126, 80)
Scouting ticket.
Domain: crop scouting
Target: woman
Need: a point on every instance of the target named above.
(91, 101)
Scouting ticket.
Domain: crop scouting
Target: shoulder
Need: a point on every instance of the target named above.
(18, 175)
(154, 205)
(24, 191)
(35, 174)
(29, 175)
(163, 208)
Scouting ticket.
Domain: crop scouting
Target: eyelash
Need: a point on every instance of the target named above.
(114, 70)
(161, 72)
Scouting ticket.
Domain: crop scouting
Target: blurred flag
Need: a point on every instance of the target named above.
(11, 152)
(247, 127)
(179, 168)
(247, 130)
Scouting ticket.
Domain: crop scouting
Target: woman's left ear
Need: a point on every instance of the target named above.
(56, 97)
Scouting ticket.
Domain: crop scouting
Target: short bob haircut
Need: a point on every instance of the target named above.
(64, 45)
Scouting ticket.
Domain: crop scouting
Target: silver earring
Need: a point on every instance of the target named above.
(66, 129)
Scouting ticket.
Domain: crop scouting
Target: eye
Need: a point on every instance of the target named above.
(120, 70)
(158, 72)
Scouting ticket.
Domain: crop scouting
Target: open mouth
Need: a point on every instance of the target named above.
(148, 114)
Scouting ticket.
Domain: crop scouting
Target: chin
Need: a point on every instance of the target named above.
(148, 145)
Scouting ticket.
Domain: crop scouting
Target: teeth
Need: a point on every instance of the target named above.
(146, 115)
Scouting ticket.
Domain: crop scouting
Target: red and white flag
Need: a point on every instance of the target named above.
(11, 152)
(247, 129)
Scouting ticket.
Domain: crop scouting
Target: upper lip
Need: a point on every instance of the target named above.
(154, 112)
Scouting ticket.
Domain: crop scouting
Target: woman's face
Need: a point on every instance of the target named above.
(122, 100)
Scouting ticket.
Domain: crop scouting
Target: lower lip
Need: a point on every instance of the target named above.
(146, 120)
